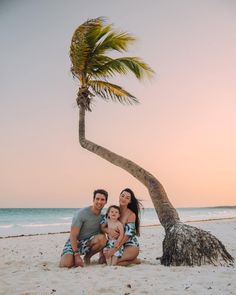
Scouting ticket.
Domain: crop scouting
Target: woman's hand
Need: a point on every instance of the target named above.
(114, 233)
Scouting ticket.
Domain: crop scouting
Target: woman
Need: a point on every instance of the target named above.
(130, 209)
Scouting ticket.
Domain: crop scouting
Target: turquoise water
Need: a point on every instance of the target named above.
(24, 221)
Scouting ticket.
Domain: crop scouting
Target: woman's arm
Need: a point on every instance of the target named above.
(131, 218)
(120, 238)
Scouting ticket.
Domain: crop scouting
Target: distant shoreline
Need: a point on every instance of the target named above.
(74, 208)
(151, 225)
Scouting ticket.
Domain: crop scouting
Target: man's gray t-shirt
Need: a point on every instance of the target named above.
(88, 222)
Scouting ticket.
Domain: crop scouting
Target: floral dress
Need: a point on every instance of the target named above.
(130, 231)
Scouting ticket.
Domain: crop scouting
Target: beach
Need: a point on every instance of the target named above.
(29, 265)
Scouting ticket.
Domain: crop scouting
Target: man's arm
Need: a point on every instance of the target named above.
(104, 228)
(74, 231)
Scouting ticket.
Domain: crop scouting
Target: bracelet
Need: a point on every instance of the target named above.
(76, 254)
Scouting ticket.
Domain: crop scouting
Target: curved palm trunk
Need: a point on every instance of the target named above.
(183, 244)
(166, 212)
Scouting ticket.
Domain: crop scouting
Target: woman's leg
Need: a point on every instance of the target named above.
(129, 257)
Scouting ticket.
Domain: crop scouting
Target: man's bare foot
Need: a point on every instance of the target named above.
(136, 261)
(78, 261)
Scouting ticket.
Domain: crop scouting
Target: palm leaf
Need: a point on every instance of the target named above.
(118, 41)
(122, 66)
(111, 91)
(82, 45)
(90, 43)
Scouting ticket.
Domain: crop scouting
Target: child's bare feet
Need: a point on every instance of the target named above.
(102, 259)
(86, 260)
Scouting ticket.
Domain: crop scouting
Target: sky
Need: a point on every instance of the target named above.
(183, 130)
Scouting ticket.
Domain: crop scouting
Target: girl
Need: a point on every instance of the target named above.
(113, 224)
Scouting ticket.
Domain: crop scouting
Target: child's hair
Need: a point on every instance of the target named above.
(112, 206)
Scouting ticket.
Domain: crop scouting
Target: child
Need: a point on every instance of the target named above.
(113, 214)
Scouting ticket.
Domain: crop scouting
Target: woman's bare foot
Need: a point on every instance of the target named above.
(136, 261)
(129, 262)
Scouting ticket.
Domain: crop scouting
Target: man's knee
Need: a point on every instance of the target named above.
(102, 239)
(67, 260)
(99, 241)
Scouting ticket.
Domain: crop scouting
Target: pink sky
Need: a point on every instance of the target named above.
(183, 131)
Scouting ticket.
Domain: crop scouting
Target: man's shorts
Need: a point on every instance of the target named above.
(83, 247)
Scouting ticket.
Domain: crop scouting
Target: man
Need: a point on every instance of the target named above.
(85, 237)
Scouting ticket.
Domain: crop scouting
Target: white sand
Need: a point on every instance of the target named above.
(29, 265)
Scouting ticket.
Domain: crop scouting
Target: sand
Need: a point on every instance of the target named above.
(29, 265)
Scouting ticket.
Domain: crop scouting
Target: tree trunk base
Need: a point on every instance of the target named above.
(188, 245)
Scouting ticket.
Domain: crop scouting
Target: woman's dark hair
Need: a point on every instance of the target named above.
(135, 206)
(112, 206)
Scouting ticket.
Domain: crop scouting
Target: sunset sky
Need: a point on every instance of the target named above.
(183, 131)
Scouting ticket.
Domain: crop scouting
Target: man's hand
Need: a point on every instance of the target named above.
(78, 260)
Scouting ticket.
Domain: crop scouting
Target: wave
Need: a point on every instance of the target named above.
(65, 218)
(6, 225)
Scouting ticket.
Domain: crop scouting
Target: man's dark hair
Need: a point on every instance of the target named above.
(100, 191)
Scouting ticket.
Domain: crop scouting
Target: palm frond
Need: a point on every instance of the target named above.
(96, 35)
(118, 41)
(137, 66)
(82, 45)
(91, 65)
(109, 91)
(122, 65)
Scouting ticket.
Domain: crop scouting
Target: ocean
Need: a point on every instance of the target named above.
(28, 221)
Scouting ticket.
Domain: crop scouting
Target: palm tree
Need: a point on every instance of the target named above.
(91, 41)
